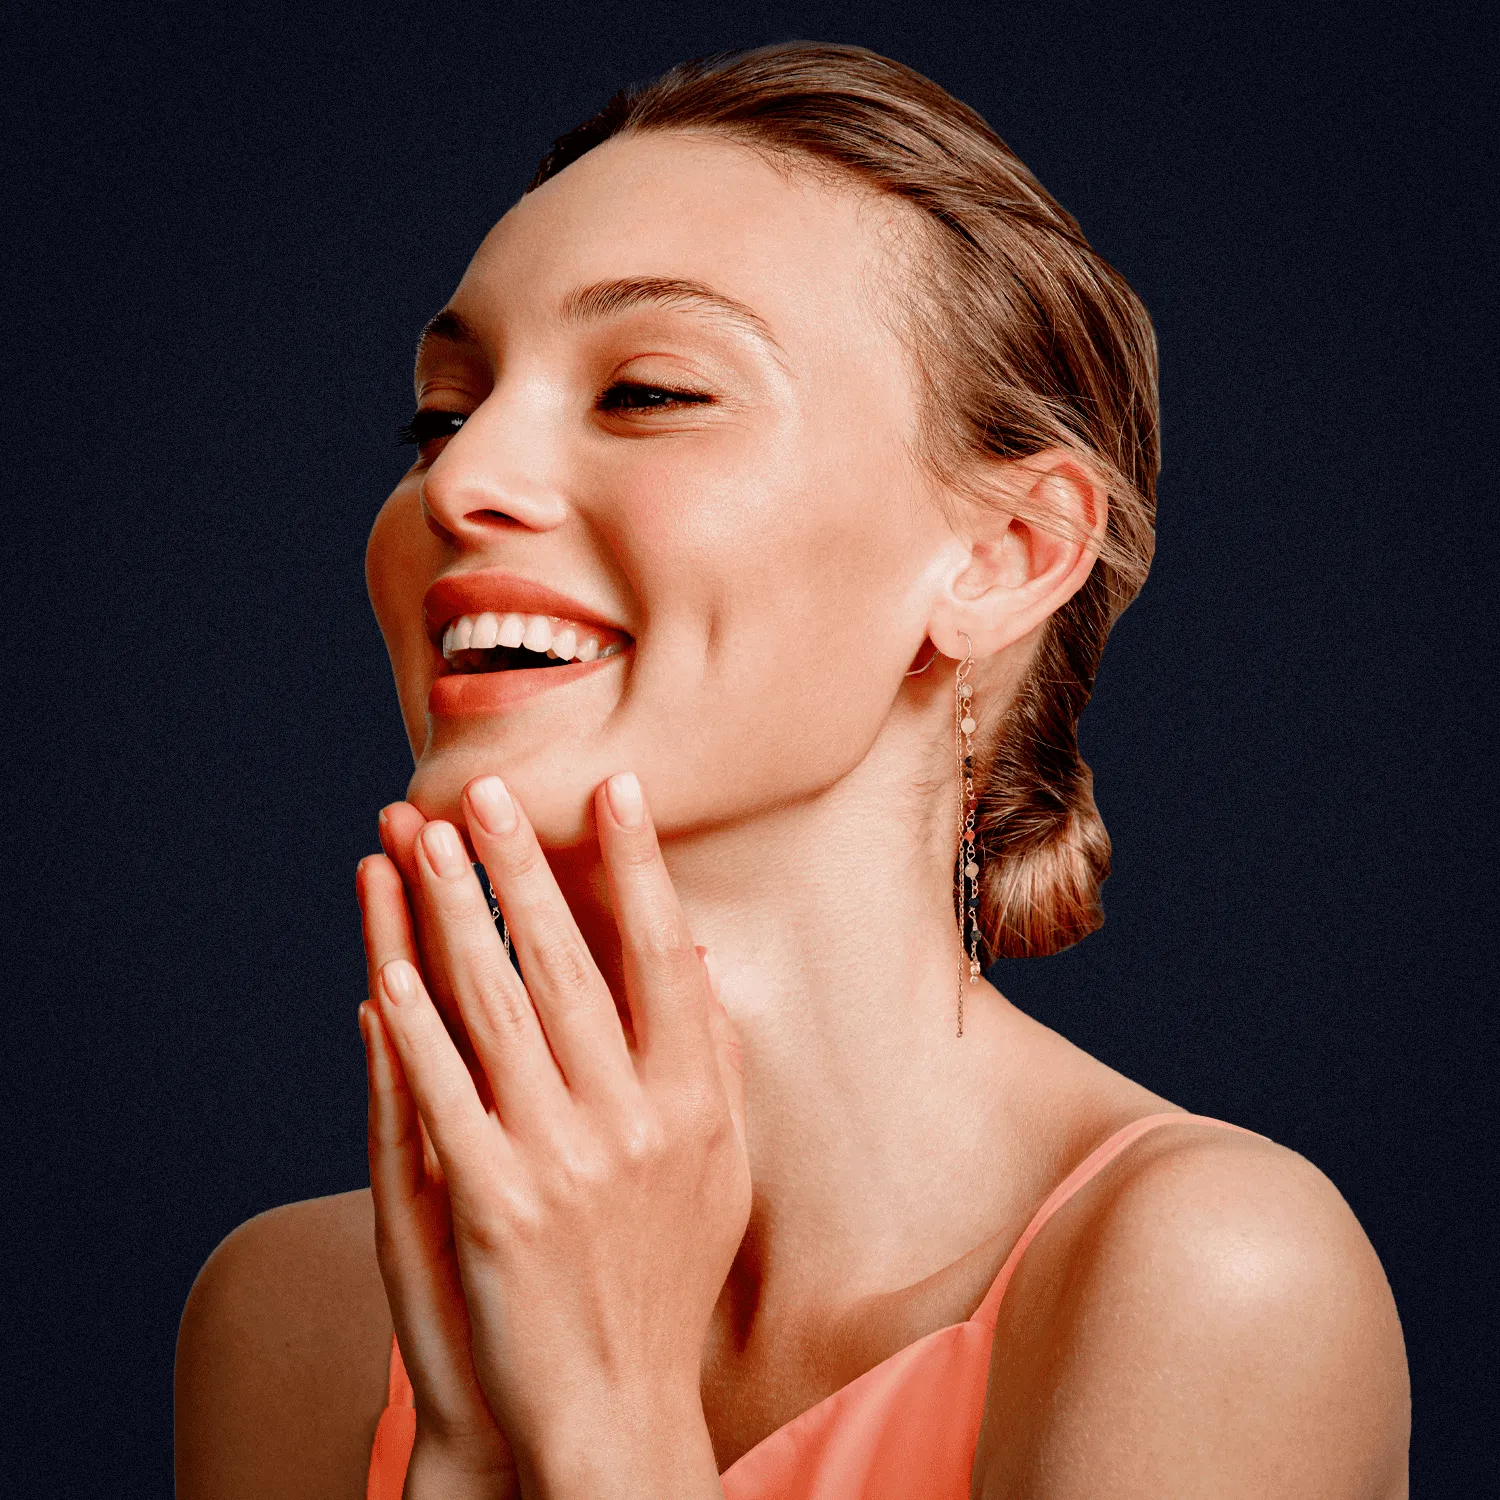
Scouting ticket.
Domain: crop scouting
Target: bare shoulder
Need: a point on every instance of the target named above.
(282, 1356)
(1208, 1317)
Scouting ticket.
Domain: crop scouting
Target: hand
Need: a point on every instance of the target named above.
(457, 1439)
(598, 1203)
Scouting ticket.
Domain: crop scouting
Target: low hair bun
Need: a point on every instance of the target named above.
(1044, 851)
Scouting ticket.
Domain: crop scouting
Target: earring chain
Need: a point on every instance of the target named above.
(968, 853)
(496, 914)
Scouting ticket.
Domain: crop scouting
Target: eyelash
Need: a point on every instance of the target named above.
(430, 424)
(679, 398)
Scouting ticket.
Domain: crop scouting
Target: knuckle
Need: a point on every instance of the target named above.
(583, 1165)
(643, 1140)
(506, 1006)
(500, 1216)
(451, 895)
(661, 938)
(570, 963)
(701, 1116)
(641, 853)
(489, 1231)
(526, 862)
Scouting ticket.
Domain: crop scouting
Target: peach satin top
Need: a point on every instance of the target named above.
(913, 1418)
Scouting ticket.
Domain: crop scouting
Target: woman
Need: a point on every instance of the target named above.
(783, 459)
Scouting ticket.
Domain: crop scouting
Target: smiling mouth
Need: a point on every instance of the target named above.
(515, 643)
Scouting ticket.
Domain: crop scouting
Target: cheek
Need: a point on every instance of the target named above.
(751, 520)
(774, 588)
(399, 563)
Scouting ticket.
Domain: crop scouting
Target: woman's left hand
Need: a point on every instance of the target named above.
(597, 1206)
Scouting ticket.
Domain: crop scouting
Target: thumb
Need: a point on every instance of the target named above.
(728, 1052)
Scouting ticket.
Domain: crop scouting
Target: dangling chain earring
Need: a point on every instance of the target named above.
(968, 851)
(496, 913)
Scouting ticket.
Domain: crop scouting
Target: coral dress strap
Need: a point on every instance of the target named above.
(1092, 1164)
(394, 1436)
(400, 1391)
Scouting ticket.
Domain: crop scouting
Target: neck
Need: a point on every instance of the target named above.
(832, 925)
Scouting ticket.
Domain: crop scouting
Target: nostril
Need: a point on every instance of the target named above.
(430, 519)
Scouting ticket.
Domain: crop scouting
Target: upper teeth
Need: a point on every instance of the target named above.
(545, 634)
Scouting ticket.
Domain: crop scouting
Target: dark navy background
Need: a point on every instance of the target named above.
(227, 226)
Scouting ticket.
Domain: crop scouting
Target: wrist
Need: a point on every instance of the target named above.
(629, 1451)
(442, 1470)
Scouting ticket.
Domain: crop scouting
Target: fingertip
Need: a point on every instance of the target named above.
(387, 833)
(400, 822)
(488, 801)
(626, 800)
(399, 981)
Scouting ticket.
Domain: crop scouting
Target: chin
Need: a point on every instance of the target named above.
(557, 799)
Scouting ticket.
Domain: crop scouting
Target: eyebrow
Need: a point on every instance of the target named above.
(606, 299)
(447, 326)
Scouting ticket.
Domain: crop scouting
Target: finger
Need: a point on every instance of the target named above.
(665, 981)
(405, 1128)
(568, 994)
(496, 1009)
(414, 1234)
(400, 825)
(385, 916)
(397, 1169)
(464, 1136)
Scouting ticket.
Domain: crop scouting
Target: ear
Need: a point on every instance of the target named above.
(1020, 556)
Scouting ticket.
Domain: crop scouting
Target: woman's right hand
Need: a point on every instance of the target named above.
(459, 1450)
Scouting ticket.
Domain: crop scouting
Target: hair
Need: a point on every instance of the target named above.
(1034, 342)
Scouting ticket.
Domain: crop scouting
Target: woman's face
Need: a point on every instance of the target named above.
(724, 497)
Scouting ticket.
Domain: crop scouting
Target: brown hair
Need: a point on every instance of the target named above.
(1032, 340)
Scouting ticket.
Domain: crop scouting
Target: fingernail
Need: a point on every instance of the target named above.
(624, 792)
(491, 801)
(444, 850)
(364, 1021)
(400, 981)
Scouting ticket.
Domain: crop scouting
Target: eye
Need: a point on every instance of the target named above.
(630, 395)
(428, 425)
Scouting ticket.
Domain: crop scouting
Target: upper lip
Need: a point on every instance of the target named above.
(493, 589)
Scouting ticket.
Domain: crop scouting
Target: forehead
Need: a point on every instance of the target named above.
(809, 257)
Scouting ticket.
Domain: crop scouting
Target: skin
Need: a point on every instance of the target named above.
(1207, 1317)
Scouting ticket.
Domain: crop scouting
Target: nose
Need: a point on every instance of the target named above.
(497, 471)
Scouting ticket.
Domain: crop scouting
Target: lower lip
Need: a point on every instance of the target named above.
(460, 694)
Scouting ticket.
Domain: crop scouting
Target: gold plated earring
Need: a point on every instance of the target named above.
(495, 911)
(968, 848)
